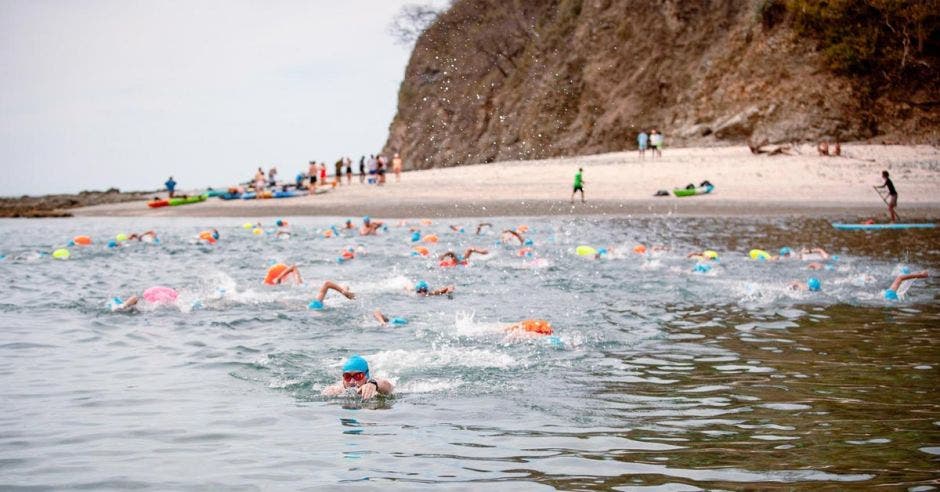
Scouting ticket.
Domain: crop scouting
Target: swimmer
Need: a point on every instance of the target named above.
(481, 225)
(369, 226)
(156, 295)
(150, 235)
(209, 236)
(124, 306)
(423, 289)
(456, 228)
(509, 234)
(327, 286)
(813, 254)
(892, 293)
(280, 272)
(812, 284)
(283, 229)
(385, 321)
(537, 326)
(356, 376)
(703, 255)
(451, 259)
(349, 224)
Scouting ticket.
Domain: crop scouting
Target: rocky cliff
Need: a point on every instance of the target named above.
(519, 79)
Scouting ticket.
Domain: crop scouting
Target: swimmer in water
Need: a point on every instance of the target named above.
(327, 286)
(283, 229)
(509, 234)
(356, 376)
(209, 236)
(892, 293)
(537, 326)
(456, 228)
(150, 235)
(385, 321)
(279, 273)
(423, 289)
(703, 255)
(156, 295)
(349, 224)
(481, 225)
(451, 259)
(812, 284)
(369, 226)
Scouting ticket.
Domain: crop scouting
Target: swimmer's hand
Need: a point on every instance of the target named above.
(348, 293)
(368, 390)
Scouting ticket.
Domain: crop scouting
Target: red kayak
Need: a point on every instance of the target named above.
(158, 203)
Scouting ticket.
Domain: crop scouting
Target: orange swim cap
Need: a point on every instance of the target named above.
(639, 249)
(421, 250)
(539, 326)
(82, 240)
(430, 238)
(348, 254)
(273, 272)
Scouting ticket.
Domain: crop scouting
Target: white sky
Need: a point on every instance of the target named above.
(125, 93)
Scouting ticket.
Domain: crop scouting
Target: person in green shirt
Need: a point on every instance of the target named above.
(578, 185)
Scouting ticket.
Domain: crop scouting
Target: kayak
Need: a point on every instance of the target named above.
(186, 201)
(248, 196)
(211, 193)
(702, 190)
(158, 203)
(230, 196)
(876, 227)
(287, 194)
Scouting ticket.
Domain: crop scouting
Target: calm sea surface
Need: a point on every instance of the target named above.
(661, 378)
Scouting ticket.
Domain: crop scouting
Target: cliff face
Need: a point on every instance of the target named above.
(520, 79)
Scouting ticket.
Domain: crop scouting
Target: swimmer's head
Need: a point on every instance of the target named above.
(785, 251)
(279, 223)
(215, 234)
(904, 270)
(422, 286)
(528, 242)
(356, 364)
(813, 284)
(315, 304)
(891, 295)
(601, 251)
(366, 219)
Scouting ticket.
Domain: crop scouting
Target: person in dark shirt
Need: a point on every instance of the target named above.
(892, 196)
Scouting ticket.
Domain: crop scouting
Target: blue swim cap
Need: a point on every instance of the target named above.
(215, 234)
(891, 295)
(555, 342)
(905, 270)
(365, 219)
(117, 301)
(398, 321)
(528, 242)
(340, 260)
(602, 251)
(71, 243)
(112, 244)
(279, 222)
(785, 251)
(813, 284)
(415, 236)
(702, 268)
(461, 230)
(356, 364)
(422, 285)
(315, 304)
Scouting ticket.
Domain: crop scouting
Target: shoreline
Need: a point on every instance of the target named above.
(617, 184)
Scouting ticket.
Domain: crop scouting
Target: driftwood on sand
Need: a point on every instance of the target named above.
(764, 148)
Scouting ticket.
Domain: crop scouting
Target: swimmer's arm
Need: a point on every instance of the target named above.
(442, 291)
(901, 278)
(822, 253)
(381, 318)
(382, 386)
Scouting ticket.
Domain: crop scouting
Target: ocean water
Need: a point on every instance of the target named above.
(660, 377)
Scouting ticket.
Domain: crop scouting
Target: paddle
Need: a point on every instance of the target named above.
(886, 201)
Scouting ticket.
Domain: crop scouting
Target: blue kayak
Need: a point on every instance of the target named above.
(875, 227)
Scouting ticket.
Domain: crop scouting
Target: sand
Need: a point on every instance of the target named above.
(619, 183)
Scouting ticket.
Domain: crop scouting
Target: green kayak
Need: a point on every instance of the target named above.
(702, 190)
(186, 201)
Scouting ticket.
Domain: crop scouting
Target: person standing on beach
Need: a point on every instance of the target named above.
(362, 169)
(892, 200)
(656, 141)
(338, 171)
(171, 186)
(272, 177)
(396, 167)
(348, 163)
(578, 185)
(312, 175)
(642, 141)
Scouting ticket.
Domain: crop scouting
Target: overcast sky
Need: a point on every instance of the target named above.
(125, 93)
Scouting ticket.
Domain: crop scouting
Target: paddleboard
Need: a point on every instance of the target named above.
(875, 227)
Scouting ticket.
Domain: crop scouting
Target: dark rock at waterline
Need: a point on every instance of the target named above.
(56, 205)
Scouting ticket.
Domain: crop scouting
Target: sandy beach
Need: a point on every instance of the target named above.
(619, 183)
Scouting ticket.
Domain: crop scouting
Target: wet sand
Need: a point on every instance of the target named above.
(619, 184)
